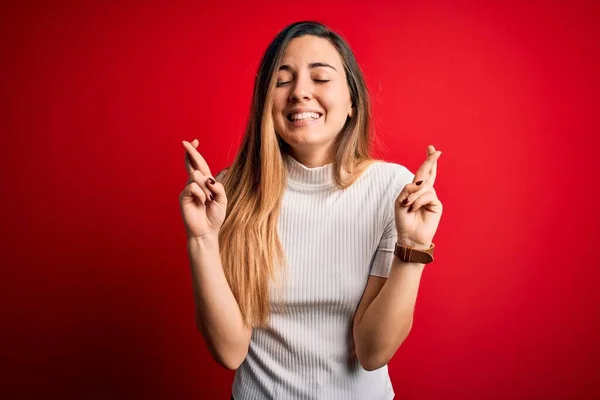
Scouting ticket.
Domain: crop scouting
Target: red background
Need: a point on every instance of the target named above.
(96, 98)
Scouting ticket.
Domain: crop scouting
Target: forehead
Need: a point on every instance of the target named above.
(302, 51)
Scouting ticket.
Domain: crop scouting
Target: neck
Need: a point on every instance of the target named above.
(312, 159)
(300, 174)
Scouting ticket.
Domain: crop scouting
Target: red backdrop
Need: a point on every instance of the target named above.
(96, 98)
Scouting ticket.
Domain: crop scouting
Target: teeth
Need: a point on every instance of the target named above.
(304, 116)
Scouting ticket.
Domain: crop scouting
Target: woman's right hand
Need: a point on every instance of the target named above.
(202, 214)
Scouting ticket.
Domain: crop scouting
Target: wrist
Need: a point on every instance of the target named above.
(414, 254)
(413, 244)
(206, 241)
(204, 253)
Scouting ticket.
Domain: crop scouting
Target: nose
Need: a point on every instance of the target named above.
(302, 90)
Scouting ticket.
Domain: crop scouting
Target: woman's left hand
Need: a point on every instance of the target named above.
(418, 210)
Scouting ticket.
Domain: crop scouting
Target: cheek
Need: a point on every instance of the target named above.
(279, 104)
(279, 101)
(336, 101)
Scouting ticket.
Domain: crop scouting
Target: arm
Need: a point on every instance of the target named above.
(384, 316)
(218, 315)
(385, 313)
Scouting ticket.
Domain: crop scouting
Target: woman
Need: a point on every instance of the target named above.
(292, 248)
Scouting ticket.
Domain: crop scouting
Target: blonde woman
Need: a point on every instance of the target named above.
(306, 253)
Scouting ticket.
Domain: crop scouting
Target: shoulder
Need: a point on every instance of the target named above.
(390, 168)
(391, 175)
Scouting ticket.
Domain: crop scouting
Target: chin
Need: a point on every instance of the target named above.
(307, 142)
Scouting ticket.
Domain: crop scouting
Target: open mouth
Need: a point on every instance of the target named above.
(304, 117)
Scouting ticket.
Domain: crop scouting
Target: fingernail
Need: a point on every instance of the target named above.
(419, 183)
(410, 208)
(211, 180)
(405, 201)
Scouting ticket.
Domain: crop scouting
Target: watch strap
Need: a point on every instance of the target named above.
(410, 254)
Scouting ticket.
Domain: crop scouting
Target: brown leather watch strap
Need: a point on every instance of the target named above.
(409, 254)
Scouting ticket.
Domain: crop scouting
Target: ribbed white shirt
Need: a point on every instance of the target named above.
(333, 239)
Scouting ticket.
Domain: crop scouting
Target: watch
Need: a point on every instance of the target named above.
(410, 254)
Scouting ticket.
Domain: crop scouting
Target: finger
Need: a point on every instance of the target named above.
(190, 166)
(434, 166)
(424, 171)
(218, 191)
(191, 193)
(202, 182)
(198, 160)
(428, 201)
(410, 191)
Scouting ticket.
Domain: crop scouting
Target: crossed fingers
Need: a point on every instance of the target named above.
(199, 171)
(420, 192)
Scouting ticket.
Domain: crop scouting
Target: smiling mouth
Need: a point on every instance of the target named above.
(304, 117)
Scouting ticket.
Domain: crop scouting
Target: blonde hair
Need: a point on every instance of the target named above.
(251, 252)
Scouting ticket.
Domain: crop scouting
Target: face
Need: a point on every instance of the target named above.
(311, 101)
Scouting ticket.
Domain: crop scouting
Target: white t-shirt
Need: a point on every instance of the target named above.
(333, 239)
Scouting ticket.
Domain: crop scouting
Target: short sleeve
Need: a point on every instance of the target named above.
(384, 255)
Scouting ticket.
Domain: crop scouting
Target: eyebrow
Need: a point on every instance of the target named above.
(286, 67)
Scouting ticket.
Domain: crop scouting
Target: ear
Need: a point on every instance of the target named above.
(351, 111)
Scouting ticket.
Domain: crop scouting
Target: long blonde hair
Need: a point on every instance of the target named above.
(251, 251)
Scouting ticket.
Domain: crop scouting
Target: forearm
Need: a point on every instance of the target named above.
(388, 319)
(218, 315)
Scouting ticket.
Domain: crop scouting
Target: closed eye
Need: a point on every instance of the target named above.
(281, 83)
